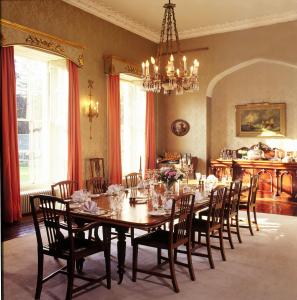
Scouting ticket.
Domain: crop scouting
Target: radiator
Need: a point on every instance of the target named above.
(25, 200)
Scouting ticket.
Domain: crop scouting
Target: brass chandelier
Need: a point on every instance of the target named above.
(162, 73)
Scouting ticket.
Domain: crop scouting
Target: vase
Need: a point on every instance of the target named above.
(168, 188)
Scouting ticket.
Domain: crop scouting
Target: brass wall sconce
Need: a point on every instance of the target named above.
(93, 107)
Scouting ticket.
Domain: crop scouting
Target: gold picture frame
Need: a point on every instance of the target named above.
(261, 120)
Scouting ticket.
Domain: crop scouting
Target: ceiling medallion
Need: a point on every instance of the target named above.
(162, 73)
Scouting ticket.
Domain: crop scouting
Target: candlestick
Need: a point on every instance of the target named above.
(140, 164)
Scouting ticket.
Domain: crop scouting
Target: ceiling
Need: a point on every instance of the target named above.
(194, 17)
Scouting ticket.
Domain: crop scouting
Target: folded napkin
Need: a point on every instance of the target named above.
(141, 185)
(211, 179)
(168, 204)
(187, 189)
(115, 189)
(199, 196)
(79, 196)
(90, 206)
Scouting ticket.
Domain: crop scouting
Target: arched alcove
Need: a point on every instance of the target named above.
(253, 81)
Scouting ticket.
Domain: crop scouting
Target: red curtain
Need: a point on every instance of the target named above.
(114, 130)
(150, 137)
(74, 141)
(11, 201)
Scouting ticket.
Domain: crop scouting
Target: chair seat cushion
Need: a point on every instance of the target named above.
(156, 239)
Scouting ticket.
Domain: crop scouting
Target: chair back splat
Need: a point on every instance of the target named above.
(215, 216)
(64, 189)
(181, 231)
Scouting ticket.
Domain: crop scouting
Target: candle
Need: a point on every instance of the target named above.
(140, 164)
(171, 58)
(185, 63)
(177, 72)
(143, 68)
(152, 60)
(147, 70)
(191, 70)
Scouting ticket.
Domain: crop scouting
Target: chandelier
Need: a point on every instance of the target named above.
(169, 71)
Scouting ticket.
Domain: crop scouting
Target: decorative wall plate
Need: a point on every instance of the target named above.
(180, 127)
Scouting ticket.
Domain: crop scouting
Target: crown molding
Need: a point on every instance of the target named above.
(115, 17)
(239, 25)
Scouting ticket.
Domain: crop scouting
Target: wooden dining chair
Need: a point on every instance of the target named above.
(64, 189)
(62, 240)
(97, 167)
(249, 203)
(179, 234)
(212, 225)
(96, 185)
(231, 212)
(132, 179)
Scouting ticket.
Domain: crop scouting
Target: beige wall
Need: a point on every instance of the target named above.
(227, 50)
(68, 22)
(262, 81)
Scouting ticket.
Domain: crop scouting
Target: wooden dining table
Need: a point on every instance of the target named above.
(134, 213)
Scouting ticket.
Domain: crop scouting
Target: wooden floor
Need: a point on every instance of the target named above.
(25, 226)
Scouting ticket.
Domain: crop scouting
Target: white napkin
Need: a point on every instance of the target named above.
(187, 189)
(78, 196)
(211, 179)
(168, 204)
(199, 196)
(90, 206)
(140, 185)
(115, 189)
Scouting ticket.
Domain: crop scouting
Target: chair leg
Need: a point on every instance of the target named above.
(208, 245)
(250, 222)
(80, 265)
(39, 275)
(132, 235)
(70, 270)
(106, 238)
(229, 234)
(175, 255)
(222, 244)
(172, 270)
(237, 229)
(159, 253)
(135, 258)
(190, 264)
(255, 217)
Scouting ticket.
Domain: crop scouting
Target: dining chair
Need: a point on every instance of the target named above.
(64, 189)
(231, 212)
(62, 240)
(179, 234)
(96, 185)
(97, 167)
(212, 225)
(249, 203)
(132, 179)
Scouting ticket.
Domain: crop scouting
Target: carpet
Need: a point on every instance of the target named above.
(264, 266)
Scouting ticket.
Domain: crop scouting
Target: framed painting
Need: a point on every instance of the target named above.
(180, 127)
(261, 119)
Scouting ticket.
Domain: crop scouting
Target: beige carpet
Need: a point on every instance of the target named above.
(263, 267)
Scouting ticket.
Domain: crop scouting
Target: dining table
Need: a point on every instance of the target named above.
(135, 210)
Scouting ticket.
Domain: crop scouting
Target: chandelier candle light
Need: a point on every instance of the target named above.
(161, 73)
(93, 107)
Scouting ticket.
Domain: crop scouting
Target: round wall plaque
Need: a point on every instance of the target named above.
(180, 127)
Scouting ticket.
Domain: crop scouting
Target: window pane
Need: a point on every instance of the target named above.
(133, 108)
(42, 143)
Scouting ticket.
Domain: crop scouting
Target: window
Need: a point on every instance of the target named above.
(133, 109)
(42, 115)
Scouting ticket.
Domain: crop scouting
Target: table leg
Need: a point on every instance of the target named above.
(121, 251)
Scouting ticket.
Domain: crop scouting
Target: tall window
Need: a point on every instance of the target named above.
(42, 114)
(133, 108)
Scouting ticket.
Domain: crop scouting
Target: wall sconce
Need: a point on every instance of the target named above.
(93, 107)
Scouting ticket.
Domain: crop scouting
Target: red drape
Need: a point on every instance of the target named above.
(74, 141)
(150, 137)
(11, 201)
(114, 130)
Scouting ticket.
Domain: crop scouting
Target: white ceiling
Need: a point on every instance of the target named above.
(194, 17)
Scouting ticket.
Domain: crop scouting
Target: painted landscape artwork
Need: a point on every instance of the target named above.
(260, 119)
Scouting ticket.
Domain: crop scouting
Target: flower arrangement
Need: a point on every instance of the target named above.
(169, 176)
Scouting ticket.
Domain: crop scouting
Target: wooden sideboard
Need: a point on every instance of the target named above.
(275, 178)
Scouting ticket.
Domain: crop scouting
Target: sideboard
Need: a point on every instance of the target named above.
(275, 178)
